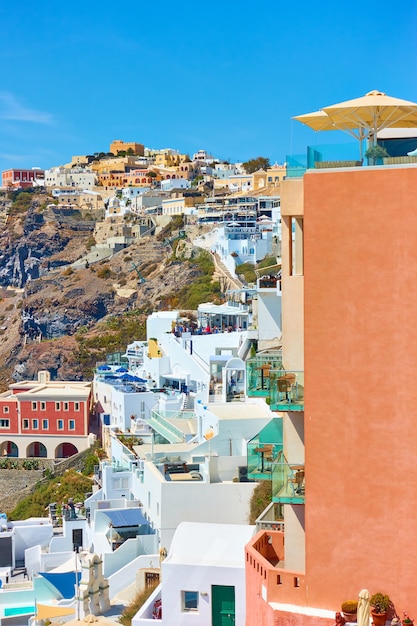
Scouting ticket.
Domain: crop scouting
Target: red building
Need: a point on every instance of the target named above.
(20, 178)
(45, 418)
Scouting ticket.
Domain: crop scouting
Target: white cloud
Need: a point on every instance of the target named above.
(12, 109)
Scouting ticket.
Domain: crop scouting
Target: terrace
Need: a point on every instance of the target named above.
(330, 156)
(264, 450)
(288, 481)
(258, 369)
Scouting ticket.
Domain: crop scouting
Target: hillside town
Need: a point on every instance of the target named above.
(278, 384)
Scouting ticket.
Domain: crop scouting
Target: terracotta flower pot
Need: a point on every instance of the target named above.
(379, 619)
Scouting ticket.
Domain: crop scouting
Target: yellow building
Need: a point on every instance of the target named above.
(166, 158)
(272, 177)
(275, 175)
(118, 145)
(79, 160)
(118, 164)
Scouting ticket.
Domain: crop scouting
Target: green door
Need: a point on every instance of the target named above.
(223, 605)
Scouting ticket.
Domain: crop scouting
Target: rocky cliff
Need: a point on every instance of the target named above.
(59, 312)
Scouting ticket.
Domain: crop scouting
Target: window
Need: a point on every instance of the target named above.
(5, 409)
(34, 406)
(43, 406)
(45, 424)
(296, 246)
(189, 600)
(35, 424)
(76, 406)
(4, 423)
(57, 406)
(60, 424)
(66, 406)
(71, 424)
(25, 424)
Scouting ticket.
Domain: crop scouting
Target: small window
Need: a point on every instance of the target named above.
(25, 424)
(76, 406)
(34, 406)
(66, 406)
(60, 424)
(43, 406)
(4, 423)
(35, 424)
(45, 425)
(57, 406)
(6, 409)
(71, 424)
(189, 600)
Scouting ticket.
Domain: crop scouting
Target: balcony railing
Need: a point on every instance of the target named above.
(261, 457)
(286, 390)
(288, 482)
(258, 371)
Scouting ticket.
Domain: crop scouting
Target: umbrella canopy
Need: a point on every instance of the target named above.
(364, 608)
(373, 112)
(319, 120)
(363, 117)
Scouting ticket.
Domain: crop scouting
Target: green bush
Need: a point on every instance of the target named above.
(71, 485)
(30, 464)
(261, 497)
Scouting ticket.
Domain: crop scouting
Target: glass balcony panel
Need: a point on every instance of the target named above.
(287, 390)
(261, 457)
(288, 482)
(258, 370)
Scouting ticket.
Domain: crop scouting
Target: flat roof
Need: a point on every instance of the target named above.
(240, 410)
(147, 449)
(56, 389)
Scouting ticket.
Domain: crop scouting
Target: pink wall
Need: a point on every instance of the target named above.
(360, 379)
(267, 583)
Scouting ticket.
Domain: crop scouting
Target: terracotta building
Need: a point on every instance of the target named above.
(349, 299)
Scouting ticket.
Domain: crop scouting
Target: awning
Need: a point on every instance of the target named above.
(45, 611)
(64, 582)
(127, 517)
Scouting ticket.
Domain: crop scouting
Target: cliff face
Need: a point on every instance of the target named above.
(53, 314)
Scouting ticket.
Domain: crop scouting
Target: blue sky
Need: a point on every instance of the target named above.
(226, 77)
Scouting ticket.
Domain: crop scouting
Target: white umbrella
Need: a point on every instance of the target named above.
(373, 112)
(363, 117)
(364, 608)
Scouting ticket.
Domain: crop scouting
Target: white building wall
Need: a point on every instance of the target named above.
(269, 314)
(178, 578)
(125, 405)
(51, 442)
(169, 503)
(29, 533)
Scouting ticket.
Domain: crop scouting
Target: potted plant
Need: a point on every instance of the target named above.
(407, 619)
(350, 610)
(380, 603)
(375, 154)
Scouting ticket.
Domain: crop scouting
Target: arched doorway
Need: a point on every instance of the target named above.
(9, 448)
(65, 450)
(36, 449)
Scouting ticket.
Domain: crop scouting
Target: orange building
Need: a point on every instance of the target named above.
(118, 145)
(349, 299)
